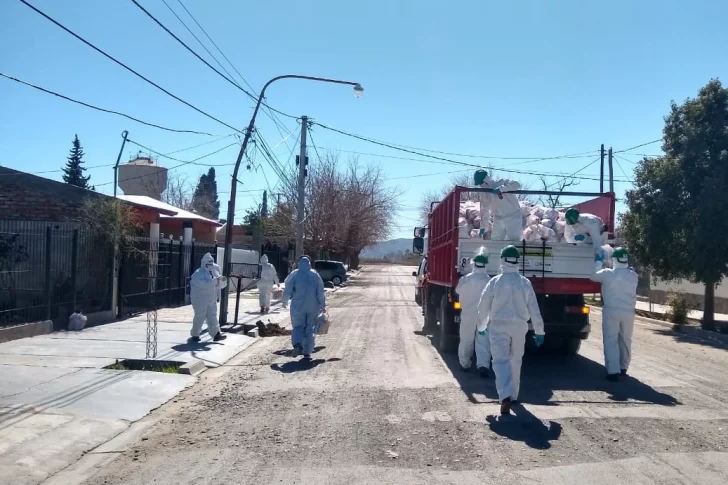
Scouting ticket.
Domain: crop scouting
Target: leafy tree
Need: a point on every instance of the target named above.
(251, 221)
(74, 169)
(676, 223)
(204, 200)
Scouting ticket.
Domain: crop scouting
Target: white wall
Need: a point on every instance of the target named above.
(238, 256)
(687, 287)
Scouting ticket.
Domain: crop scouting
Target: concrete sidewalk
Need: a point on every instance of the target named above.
(664, 309)
(57, 401)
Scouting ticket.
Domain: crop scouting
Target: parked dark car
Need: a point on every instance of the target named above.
(333, 271)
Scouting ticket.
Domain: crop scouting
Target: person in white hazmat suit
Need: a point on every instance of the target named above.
(505, 307)
(580, 226)
(305, 289)
(204, 284)
(469, 289)
(506, 211)
(268, 278)
(619, 293)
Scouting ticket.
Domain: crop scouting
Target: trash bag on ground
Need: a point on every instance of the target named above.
(77, 322)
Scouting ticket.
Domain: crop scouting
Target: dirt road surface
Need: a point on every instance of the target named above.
(378, 405)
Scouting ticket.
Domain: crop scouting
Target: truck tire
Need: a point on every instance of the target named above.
(430, 326)
(571, 346)
(447, 341)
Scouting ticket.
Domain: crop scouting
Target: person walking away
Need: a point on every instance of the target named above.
(580, 226)
(204, 284)
(469, 289)
(507, 217)
(305, 289)
(268, 278)
(505, 307)
(619, 293)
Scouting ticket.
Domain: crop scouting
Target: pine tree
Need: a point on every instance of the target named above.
(74, 169)
(204, 201)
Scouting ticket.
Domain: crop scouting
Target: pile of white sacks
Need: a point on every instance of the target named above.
(539, 223)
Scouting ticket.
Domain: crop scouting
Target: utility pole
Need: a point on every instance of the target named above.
(601, 171)
(302, 161)
(611, 174)
(124, 134)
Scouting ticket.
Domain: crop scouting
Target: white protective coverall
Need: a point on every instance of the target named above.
(203, 295)
(469, 289)
(268, 278)
(589, 226)
(619, 292)
(305, 289)
(505, 307)
(506, 211)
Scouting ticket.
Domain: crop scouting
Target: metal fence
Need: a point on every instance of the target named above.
(49, 270)
(170, 263)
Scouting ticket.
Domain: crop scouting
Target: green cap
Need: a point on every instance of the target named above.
(572, 216)
(510, 252)
(480, 176)
(621, 255)
(481, 259)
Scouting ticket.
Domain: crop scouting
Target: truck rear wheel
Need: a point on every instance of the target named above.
(447, 341)
(430, 325)
(571, 346)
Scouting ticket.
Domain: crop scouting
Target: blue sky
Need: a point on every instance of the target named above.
(503, 79)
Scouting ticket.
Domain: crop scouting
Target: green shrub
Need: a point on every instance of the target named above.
(678, 304)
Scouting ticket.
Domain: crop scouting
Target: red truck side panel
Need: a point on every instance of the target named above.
(601, 206)
(443, 241)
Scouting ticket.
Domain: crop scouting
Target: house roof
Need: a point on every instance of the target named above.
(165, 210)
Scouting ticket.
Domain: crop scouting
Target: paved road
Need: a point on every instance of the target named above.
(379, 405)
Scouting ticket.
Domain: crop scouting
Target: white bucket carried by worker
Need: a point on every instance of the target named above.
(322, 324)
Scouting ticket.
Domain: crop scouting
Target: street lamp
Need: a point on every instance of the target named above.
(229, 223)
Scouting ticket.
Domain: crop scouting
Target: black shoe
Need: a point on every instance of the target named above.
(484, 372)
(613, 377)
(219, 337)
(515, 402)
(506, 407)
(297, 349)
(464, 369)
(194, 340)
(624, 372)
(306, 356)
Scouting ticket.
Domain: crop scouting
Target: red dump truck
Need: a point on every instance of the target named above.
(559, 271)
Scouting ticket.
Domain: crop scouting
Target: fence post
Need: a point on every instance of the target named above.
(180, 273)
(49, 295)
(74, 269)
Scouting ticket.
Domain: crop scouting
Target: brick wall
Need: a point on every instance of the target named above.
(28, 197)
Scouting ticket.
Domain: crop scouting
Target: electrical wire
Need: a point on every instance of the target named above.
(188, 162)
(620, 166)
(110, 57)
(201, 144)
(228, 79)
(639, 146)
(408, 149)
(57, 170)
(104, 110)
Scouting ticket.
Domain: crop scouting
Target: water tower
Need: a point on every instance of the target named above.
(143, 176)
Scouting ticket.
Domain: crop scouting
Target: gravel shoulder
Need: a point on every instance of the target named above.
(379, 405)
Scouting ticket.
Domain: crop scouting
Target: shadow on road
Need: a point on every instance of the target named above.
(697, 336)
(289, 352)
(526, 427)
(543, 375)
(297, 365)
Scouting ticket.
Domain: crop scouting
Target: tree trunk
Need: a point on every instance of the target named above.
(708, 322)
(354, 261)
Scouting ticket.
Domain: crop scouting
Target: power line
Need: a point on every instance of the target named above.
(110, 57)
(408, 149)
(201, 144)
(231, 81)
(620, 167)
(639, 146)
(97, 108)
(59, 170)
(188, 162)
